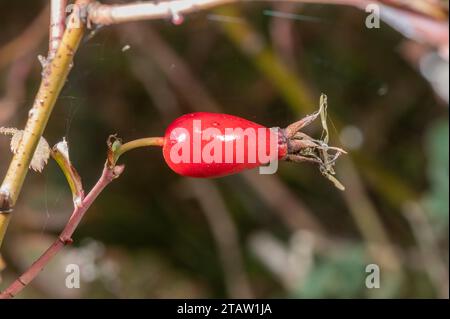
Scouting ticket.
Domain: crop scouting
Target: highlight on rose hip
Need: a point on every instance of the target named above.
(204, 150)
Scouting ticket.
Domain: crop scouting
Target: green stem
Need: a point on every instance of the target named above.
(141, 142)
(53, 80)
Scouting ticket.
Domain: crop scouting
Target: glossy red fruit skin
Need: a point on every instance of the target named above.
(176, 132)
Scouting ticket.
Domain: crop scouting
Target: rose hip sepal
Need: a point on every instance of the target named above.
(209, 145)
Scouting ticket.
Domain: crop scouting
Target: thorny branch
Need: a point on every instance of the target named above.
(112, 14)
(110, 172)
(54, 76)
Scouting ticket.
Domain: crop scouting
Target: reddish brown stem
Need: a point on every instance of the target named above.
(65, 237)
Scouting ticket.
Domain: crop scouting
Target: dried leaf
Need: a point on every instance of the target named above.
(60, 154)
(113, 144)
(41, 155)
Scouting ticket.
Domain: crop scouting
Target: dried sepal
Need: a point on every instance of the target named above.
(303, 148)
(41, 154)
(2, 267)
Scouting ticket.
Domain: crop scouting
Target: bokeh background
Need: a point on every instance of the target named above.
(153, 234)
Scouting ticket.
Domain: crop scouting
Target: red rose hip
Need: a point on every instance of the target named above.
(206, 144)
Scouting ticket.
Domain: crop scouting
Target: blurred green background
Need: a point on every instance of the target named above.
(154, 234)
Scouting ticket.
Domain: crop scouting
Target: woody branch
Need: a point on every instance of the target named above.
(108, 175)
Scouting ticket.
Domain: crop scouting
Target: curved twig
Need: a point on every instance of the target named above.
(108, 175)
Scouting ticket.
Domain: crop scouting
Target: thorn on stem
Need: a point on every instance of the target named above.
(5, 202)
(117, 170)
(43, 61)
(66, 240)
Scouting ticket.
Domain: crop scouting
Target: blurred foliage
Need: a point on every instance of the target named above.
(437, 200)
(336, 276)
